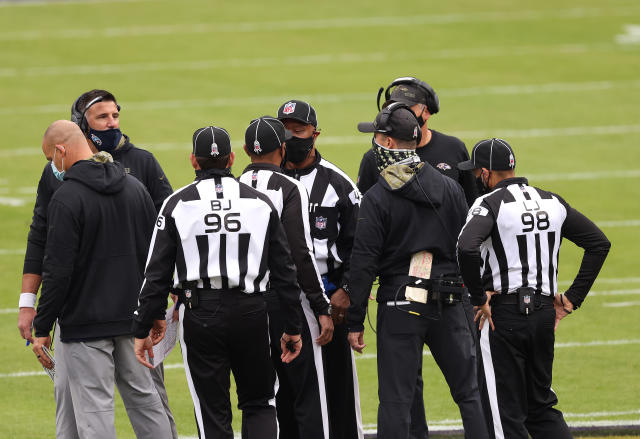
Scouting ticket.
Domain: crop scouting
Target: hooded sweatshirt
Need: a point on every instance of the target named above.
(409, 210)
(98, 230)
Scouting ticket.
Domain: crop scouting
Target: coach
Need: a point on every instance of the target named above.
(508, 254)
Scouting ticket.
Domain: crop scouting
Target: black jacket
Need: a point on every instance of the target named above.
(137, 162)
(397, 220)
(99, 227)
(443, 152)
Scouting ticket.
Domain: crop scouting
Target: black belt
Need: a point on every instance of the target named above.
(192, 296)
(512, 299)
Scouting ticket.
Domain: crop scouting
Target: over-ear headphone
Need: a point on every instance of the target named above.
(433, 102)
(78, 116)
(384, 125)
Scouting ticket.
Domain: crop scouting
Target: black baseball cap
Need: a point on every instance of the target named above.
(408, 94)
(398, 123)
(494, 154)
(298, 110)
(265, 134)
(211, 142)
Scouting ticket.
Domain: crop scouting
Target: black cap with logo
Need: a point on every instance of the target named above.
(493, 154)
(298, 110)
(211, 142)
(395, 120)
(265, 134)
(409, 94)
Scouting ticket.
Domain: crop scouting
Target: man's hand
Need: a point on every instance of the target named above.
(326, 330)
(38, 342)
(483, 312)
(142, 346)
(157, 331)
(339, 303)
(295, 342)
(563, 308)
(25, 320)
(356, 340)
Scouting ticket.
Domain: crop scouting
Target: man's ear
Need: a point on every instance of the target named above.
(232, 157)
(194, 162)
(246, 150)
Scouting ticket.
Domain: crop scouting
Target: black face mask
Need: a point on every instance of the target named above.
(298, 149)
(482, 188)
(106, 140)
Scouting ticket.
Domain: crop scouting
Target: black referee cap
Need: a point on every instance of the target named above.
(265, 134)
(493, 154)
(211, 142)
(298, 110)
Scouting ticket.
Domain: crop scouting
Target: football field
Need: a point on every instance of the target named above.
(559, 80)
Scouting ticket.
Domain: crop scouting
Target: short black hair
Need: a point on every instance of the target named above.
(213, 162)
(87, 97)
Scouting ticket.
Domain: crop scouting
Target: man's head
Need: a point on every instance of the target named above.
(64, 144)
(264, 140)
(396, 135)
(492, 160)
(300, 119)
(416, 94)
(97, 114)
(211, 149)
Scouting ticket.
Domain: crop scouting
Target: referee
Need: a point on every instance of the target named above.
(301, 401)
(508, 255)
(222, 243)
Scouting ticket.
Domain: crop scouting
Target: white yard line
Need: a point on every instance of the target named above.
(18, 3)
(317, 24)
(621, 304)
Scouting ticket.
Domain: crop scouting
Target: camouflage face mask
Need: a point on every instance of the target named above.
(386, 157)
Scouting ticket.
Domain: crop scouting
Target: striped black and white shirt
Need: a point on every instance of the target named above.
(512, 239)
(290, 199)
(333, 212)
(222, 234)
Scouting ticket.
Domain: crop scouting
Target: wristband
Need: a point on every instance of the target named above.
(27, 300)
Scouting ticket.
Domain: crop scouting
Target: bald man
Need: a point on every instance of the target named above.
(99, 227)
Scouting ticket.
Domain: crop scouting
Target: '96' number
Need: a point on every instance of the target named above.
(228, 221)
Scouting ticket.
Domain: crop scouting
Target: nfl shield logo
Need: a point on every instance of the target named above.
(289, 107)
(219, 188)
(527, 299)
(214, 149)
(256, 147)
(321, 223)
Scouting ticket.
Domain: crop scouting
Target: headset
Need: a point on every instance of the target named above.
(433, 102)
(384, 126)
(77, 115)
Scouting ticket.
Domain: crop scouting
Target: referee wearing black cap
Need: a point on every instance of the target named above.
(405, 236)
(301, 401)
(220, 243)
(440, 150)
(508, 254)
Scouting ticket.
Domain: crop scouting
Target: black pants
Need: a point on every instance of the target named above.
(343, 398)
(401, 337)
(228, 332)
(301, 402)
(518, 361)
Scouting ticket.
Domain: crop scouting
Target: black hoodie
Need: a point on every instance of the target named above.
(98, 230)
(396, 220)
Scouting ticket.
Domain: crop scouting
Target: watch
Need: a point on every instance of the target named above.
(327, 312)
(346, 289)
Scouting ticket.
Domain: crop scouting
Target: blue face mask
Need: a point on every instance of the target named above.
(106, 140)
(58, 174)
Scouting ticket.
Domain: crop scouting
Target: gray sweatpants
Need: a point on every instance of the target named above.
(93, 368)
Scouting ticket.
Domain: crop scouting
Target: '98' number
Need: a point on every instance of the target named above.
(216, 222)
(541, 221)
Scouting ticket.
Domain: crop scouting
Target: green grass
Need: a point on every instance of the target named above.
(528, 71)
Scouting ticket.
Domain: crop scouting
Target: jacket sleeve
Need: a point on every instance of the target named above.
(295, 219)
(37, 238)
(367, 249)
(348, 211)
(480, 222)
(580, 230)
(368, 173)
(63, 242)
(282, 277)
(157, 183)
(158, 274)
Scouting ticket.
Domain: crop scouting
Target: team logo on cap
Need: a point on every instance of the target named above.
(256, 147)
(289, 108)
(415, 132)
(321, 223)
(512, 161)
(214, 149)
(443, 166)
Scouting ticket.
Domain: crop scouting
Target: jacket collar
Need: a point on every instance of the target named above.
(262, 167)
(307, 170)
(509, 181)
(203, 174)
